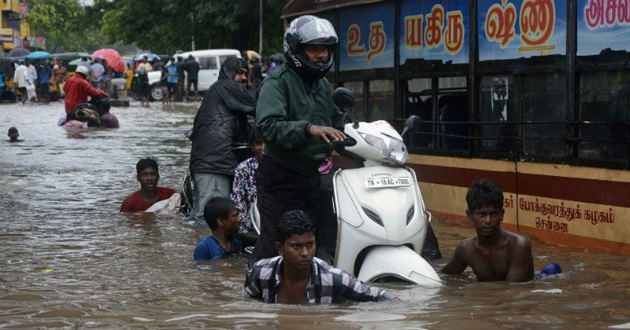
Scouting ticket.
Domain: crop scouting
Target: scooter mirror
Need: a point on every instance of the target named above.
(413, 123)
(343, 98)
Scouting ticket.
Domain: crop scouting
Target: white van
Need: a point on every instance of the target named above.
(210, 61)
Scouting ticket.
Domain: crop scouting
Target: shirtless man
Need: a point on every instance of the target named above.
(494, 254)
(296, 276)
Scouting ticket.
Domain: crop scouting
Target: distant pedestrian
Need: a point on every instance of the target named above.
(143, 78)
(45, 74)
(192, 71)
(106, 80)
(98, 70)
(31, 72)
(181, 79)
(60, 74)
(31, 75)
(163, 81)
(19, 76)
(172, 79)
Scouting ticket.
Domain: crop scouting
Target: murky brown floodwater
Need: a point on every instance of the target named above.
(69, 260)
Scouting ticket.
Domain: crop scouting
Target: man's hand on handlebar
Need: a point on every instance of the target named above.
(328, 134)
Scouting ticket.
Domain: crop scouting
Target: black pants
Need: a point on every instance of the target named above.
(191, 82)
(281, 189)
(45, 92)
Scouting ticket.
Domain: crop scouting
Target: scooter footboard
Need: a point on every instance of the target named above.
(400, 262)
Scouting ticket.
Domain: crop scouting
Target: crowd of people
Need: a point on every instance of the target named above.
(291, 123)
(34, 79)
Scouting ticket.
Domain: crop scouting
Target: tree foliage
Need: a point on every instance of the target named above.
(164, 26)
(54, 20)
(159, 26)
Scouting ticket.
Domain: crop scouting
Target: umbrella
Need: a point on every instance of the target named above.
(112, 57)
(149, 56)
(38, 55)
(18, 52)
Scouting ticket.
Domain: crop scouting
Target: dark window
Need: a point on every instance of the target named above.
(604, 115)
(544, 116)
(382, 104)
(208, 62)
(418, 102)
(357, 88)
(222, 58)
(453, 114)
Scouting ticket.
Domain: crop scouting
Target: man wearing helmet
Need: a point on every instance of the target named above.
(77, 90)
(298, 121)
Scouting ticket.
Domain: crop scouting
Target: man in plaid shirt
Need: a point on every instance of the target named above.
(297, 277)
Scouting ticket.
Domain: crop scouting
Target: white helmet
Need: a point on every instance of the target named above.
(83, 70)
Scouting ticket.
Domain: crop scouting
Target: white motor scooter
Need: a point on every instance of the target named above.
(381, 216)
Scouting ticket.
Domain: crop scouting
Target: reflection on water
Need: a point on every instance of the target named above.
(70, 260)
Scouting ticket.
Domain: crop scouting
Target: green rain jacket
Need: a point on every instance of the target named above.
(285, 108)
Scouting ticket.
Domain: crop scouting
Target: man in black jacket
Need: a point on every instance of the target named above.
(192, 71)
(220, 121)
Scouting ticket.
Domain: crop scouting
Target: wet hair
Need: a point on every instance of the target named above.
(293, 222)
(146, 163)
(484, 193)
(13, 130)
(254, 136)
(217, 208)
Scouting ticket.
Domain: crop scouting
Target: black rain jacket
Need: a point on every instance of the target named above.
(220, 121)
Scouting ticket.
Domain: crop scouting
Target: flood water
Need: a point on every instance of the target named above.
(69, 260)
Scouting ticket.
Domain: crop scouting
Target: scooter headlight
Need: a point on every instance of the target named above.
(391, 148)
(398, 152)
(376, 142)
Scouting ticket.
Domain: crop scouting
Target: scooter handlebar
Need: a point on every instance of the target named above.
(340, 148)
(347, 142)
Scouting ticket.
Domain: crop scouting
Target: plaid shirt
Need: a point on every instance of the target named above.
(327, 285)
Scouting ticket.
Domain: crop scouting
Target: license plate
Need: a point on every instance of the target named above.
(387, 182)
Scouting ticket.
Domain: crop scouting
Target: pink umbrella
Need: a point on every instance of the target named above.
(112, 57)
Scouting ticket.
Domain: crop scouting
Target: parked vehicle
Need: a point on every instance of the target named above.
(210, 61)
